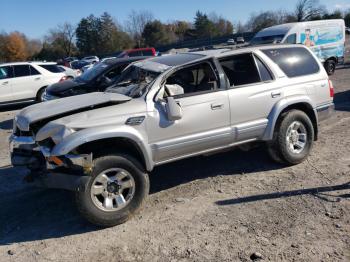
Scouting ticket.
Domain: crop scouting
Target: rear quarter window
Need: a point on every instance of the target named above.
(52, 68)
(294, 62)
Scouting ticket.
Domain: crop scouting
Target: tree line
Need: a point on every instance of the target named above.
(103, 35)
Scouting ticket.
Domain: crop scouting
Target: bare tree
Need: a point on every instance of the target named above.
(63, 36)
(136, 23)
(308, 9)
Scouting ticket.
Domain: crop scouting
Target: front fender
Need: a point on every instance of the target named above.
(79, 138)
(280, 106)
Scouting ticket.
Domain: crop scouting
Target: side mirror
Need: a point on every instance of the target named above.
(174, 90)
(174, 111)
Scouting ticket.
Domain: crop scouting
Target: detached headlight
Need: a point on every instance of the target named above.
(62, 133)
(56, 131)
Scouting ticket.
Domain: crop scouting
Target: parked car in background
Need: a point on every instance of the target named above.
(78, 65)
(26, 81)
(326, 38)
(231, 41)
(347, 30)
(103, 145)
(70, 73)
(240, 40)
(148, 51)
(96, 79)
(91, 59)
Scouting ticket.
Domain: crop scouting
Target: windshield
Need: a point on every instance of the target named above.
(133, 81)
(95, 71)
(269, 39)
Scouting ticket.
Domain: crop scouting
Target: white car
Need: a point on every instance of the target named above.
(26, 81)
(91, 59)
(70, 73)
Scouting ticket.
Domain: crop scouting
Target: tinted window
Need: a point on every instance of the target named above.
(293, 61)
(21, 70)
(52, 68)
(240, 69)
(135, 53)
(33, 71)
(147, 53)
(6, 72)
(269, 39)
(265, 74)
(291, 39)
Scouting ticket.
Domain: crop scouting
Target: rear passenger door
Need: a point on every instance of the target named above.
(252, 94)
(6, 77)
(26, 82)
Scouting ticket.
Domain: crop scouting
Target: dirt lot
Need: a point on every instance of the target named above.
(216, 208)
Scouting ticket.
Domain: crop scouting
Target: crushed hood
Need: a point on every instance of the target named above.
(59, 107)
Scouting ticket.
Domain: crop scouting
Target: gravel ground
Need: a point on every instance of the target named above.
(233, 206)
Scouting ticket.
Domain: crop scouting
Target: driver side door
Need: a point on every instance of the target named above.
(205, 121)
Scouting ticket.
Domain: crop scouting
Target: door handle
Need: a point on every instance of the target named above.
(36, 79)
(5, 83)
(275, 94)
(216, 106)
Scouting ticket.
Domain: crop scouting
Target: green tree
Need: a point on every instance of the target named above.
(100, 35)
(203, 26)
(155, 34)
(337, 14)
(347, 19)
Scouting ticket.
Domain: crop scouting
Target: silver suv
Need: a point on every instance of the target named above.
(103, 145)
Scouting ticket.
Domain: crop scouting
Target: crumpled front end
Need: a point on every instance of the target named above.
(69, 171)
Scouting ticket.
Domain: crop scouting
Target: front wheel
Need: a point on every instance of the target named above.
(115, 192)
(293, 138)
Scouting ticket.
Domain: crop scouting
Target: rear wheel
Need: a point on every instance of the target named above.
(40, 95)
(293, 138)
(116, 191)
(329, 65)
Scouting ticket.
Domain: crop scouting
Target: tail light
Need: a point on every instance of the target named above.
(64, 78)
(331, 89)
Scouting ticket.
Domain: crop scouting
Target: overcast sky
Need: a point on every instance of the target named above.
(35, 17)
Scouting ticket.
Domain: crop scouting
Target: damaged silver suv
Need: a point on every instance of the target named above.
(103, 145)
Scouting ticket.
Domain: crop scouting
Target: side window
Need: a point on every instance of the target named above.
(195, 79)
(293, 61)
(135, 53)
(291, 39)
(240, 69)
(6, 72)
(21, 70)
(147, 52)
(265, 74)
(115, 72)
(33, 71)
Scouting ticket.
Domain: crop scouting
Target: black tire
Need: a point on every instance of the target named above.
(279, 149)
(329, 65)
(40, 94)
(95, 215)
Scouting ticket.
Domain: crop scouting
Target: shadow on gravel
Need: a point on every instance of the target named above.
(316, 191)
(7, 124)
(29, 213)
(342, 101)
(4, 108)
(235, 162)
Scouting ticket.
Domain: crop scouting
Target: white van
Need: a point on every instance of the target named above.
(326, 38)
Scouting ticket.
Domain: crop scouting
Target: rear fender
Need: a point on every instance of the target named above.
(278, 109)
